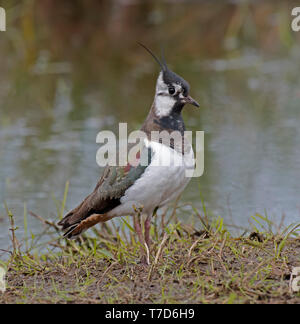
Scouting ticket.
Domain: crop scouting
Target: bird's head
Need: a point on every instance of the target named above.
(172, 91)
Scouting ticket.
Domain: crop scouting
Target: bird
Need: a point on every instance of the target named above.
(143, 188)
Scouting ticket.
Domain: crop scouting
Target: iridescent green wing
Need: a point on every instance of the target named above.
(116, 180)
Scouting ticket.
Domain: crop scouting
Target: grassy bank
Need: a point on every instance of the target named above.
(188, 265)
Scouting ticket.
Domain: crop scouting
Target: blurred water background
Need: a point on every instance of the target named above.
(72, 68)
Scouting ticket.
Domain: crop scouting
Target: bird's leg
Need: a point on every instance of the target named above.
(147, 226)
(138, 230)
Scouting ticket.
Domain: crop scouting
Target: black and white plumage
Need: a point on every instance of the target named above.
(121, 190)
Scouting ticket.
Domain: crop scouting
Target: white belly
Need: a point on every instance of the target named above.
(163, 180)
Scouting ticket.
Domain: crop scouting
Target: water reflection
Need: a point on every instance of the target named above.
(66, 76)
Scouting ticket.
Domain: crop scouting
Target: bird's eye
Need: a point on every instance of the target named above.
(171, 90)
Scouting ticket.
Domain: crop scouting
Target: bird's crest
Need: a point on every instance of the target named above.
(162, 63)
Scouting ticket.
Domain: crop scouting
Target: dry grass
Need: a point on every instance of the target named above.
(187, 266)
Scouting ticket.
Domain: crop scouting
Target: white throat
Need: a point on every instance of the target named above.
(163, 105)
(163, 102)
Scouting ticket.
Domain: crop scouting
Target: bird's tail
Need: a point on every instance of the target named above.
(76, 229)
(80, 219)
(71, 222)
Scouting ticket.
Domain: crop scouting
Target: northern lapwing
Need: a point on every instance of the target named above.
(143, 187)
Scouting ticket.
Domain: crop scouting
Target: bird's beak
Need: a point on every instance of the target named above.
(190, 100)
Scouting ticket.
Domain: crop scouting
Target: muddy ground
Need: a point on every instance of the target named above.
(188, 269)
